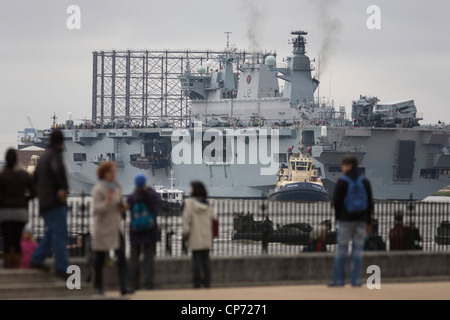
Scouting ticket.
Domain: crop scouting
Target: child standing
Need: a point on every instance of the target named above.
(28, 244)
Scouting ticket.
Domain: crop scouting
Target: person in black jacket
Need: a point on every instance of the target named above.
(144, 240)
(16, 189)
(353, 209)
(52, 187)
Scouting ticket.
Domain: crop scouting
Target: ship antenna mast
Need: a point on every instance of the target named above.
(228, 39)
(301, 140)
(172, 185)
(54, 118)
(318, 86)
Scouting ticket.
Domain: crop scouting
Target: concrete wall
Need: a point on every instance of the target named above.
(304, 268)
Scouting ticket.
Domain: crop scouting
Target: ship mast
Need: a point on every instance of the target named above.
(172, 185)
(301, 140)
(318, 86)
(228, 40)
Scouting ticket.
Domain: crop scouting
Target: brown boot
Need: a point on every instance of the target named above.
(7, 260)
(16, 258)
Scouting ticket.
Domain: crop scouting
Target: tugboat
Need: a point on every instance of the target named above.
(299, 181)
(171, 198)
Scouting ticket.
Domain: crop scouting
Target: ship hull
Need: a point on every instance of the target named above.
(377, 150)
(303, 192)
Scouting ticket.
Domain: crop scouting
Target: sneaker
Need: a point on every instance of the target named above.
(335, 285)
(62, 275)
(99, 293)
(126, 291)
(39, 266)
(357, 285)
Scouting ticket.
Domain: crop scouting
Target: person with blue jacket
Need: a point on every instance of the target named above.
(144, 241)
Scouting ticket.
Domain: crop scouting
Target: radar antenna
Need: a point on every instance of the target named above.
(299, 42)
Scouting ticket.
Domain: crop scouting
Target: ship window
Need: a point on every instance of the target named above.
(429, 174)
(79, 157)
(406, 158)
(334, 169)
(445, 172)
(301, 166)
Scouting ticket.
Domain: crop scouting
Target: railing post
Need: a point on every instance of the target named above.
(169, 234)
(184, 249)
(82, 232)
(265, 231)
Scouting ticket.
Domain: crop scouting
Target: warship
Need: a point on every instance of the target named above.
(228, 118)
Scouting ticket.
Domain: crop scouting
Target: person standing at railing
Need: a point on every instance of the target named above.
(52, 187)
(16, 189)
(197, 228)
(108, 229)
(353, 206)
(144, 205)
(318, 240)
(403, 237)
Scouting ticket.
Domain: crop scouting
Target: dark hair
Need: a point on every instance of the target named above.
(56, 138)
(398, 216)
(104, 168)
(198, 190)
(349, 160)
(11, 158)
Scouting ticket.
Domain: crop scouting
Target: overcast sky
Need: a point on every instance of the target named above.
(47, 68)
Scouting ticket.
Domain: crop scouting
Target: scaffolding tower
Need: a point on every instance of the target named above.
(143, 87)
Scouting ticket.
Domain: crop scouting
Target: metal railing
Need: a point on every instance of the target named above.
(288, 230)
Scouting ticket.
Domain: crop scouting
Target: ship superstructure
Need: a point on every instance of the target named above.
(228, 118)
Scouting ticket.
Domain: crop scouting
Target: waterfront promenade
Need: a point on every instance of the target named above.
(388, 291)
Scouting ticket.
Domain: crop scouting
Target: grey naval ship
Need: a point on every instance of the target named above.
(244, 113)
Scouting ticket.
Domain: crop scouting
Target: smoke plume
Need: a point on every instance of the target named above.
(331, 27)
(255, 17)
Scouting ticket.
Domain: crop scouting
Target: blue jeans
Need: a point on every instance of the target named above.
(355, 231)
(55, 237)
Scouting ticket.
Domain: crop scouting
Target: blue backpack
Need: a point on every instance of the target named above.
(356, 199)
(141, 218)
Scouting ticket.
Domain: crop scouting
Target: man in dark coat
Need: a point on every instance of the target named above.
(353, 206)
(52, 187)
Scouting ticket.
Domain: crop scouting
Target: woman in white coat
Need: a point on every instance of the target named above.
(197, 229)
(108, 224)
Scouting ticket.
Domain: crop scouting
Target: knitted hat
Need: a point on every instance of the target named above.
(140, 180)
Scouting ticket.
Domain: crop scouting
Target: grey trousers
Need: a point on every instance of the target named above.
(149, 252)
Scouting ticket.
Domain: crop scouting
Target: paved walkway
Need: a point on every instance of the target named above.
(389, 291)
